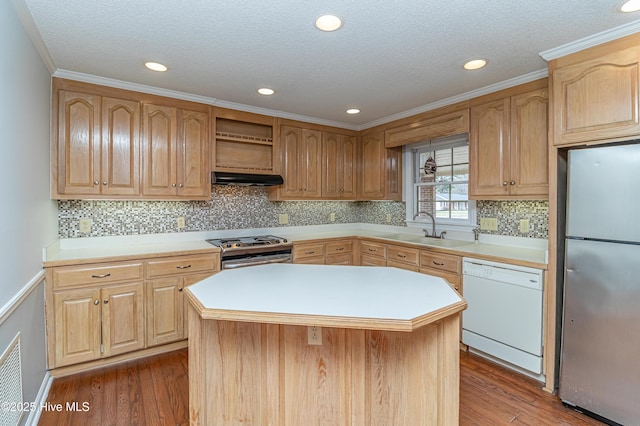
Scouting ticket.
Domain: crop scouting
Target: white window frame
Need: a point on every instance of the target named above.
(410, 169)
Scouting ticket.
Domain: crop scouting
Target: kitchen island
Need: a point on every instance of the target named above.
(291, 344)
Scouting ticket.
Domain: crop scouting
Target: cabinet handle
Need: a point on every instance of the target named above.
(95, 182)
(173, 185)
(513, 182)
(183, 266)
(505, 183)
(106, 301)
(101, 275)
(402, 256)
(181, 185)
(340, 249)
(309, 252)
(372, 250)
(104, 182)
(96, 302)
(180, 289)
(457, 289)
(438, 263)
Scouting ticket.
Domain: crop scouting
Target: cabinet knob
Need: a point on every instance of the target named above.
(513, 182)
(96, 302)
(505, 183)
(104, 182)
(106, 301)
(95, 182)
(181, 185)
(173, 185)
(180, 289)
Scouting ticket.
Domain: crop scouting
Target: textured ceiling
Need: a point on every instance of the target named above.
(389, 57)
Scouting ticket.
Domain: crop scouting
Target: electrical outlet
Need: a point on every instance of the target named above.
(332, 217)
(388, 217)
(85, 226)
(314, 335)
(524, 226)
(180, 222)
(283, 219)
(489, 224)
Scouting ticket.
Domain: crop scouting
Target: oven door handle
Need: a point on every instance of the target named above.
(286, 259)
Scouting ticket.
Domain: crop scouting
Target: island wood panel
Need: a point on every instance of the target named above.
(255, 373)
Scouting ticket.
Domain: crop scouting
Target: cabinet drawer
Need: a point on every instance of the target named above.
(339, 259)
(402, 265)
(308, 250)
(96, 274)
(339, 247)
(445, 262)
(182, 265)
(454, 279)
(402, 254)
(373, 249)
(366, 260)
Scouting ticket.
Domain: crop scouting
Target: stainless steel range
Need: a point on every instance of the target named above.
(249, 251)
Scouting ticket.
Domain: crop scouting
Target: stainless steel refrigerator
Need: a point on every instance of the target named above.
(600, 354)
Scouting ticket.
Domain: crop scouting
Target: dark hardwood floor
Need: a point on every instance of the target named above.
(154, 391)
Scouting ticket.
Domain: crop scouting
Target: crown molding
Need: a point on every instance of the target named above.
(591, 41)
(526, 78)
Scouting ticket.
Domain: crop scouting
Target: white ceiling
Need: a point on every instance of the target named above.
(390, 58)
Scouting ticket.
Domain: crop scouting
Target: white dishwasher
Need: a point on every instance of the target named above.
(504, 314)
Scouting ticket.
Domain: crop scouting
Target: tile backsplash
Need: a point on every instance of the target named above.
(230, 207)
(509, 214)
(233, 207)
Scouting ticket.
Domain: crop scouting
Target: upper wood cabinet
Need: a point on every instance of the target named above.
(380, 169)
(453, 123)
(508, 155)
(175, 152)
(116, 144)
(596, 93)
(244, 142)
(97, 146)
(339, 160)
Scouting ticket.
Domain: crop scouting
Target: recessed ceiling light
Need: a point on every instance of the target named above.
(353, 111)
(475, 64)
(154, 66)
(328, 23)
(266, 91)
(630, 6)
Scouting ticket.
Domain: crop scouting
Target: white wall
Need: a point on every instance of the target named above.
(28, 218)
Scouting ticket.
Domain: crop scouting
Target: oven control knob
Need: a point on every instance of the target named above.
(284, 240)
(228, 245)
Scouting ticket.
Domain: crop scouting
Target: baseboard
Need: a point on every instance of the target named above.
(41, 399)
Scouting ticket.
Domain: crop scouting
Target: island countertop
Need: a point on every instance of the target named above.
(360, 297)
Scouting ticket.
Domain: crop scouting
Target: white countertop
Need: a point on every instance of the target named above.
(347, 296)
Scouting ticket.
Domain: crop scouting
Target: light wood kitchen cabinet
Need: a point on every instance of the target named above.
(339, 161)
(442, 265)
(92, 323)
(339, 253)
(508, 155)
(97, 146)
(403, 257)
(327, 252)
(596, 93)
(380, 169)
(448, 124)
(175, 153)
(309, 253)
(300, 164)
(372, 254)
(166, 279)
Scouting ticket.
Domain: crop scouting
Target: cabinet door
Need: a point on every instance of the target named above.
(393, 182)
(310, 166)
(193, 173)
(331, 165)
(291, 142)
(164, 310)
(597, 98)
(529, 165)
(159, 176)
(347, 161)
(122, 318)
(78, 144)
(120, 168)
(489, 149)
(372, 171)
(77, 326)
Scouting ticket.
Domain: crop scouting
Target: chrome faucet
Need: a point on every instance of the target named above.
(433, 221)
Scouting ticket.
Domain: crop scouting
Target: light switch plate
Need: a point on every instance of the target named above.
(388, 217)
(489, 224)
(524, 226)
(332, 217)
(283, 219)
(85, 226)
(180, 222)
(314, 335)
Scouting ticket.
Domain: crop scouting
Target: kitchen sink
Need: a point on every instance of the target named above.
(429, 241)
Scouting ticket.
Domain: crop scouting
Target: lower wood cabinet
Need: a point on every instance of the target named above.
(97, 311)
(92, 323)
(442, 265)
(333, 252)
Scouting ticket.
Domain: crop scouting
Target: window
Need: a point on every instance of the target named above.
(445, 193)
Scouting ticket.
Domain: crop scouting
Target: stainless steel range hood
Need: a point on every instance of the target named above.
(245, 179)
